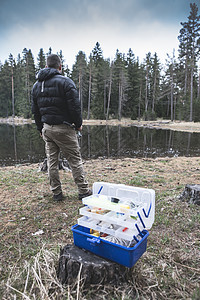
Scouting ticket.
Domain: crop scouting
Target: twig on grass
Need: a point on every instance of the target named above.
(185, 266)
(78, 283)
(11, 287)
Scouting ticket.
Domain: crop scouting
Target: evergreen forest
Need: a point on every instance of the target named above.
(124, 87)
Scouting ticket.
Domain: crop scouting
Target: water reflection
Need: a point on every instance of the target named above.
(23, 144)
(117, 141)
(15, 142)
(20, 144)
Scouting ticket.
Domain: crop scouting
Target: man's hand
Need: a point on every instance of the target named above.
(80, 128)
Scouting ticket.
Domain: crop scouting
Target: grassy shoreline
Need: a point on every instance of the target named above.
(168, 270)
(158, 124)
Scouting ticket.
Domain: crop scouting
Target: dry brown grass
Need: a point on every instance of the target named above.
(169, 269)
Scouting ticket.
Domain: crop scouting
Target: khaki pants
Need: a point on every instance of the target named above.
(63, 138)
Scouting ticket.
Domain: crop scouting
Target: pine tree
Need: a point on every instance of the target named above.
(5, 91)
(90, 79)
(121, 82)
(97, 53)
(171, 74)
(189, 39)
(79, 76)
(50, 51)
(141, 97)
(133, 92)
(20, 98)
(156, 82)
(29, 79)
(148, 66)
(12, 63)
(152, 76)
(97, 105)
(41, 60)
(60, 54)
(106, 79)
(109, 90)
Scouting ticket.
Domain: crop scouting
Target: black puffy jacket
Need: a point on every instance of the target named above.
(55, 100)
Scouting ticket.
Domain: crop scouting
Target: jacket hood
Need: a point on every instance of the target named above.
(47, 73)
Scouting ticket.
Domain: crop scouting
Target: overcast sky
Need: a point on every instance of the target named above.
(74, 25)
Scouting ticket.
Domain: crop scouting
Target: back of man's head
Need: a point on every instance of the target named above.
(53, 61)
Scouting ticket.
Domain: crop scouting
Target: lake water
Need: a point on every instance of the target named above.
(23, 144)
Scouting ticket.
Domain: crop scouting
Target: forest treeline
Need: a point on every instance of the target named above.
(123, 87)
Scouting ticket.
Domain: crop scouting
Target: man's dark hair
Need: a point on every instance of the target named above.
(53, 61)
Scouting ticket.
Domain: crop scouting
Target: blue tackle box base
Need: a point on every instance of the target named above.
(126, 256)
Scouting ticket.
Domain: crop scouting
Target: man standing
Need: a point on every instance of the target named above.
(57, 114)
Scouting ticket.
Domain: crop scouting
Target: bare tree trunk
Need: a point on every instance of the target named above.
(139, 104)
(81, 90)
(172, 99)
(191, 84)
(104, 98)
(109, 94)
(146, 92)
(186, 75)
(191, 95)
(13, 96)
(89, 94)
(120, 102)
(28, 100)
(172, 88)
(28, 82)
(154, 93)
(89, 142)
(198, 92)
(174, 107)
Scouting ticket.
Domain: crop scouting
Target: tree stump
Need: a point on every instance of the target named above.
(191, 194)
(79, 264)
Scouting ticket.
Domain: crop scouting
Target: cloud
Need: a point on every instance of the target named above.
(111, 35)
(28, 11)
(143, 26)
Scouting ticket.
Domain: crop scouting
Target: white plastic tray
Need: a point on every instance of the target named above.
(124, 205)
(137, 194)
(112, 229)
(133, 212)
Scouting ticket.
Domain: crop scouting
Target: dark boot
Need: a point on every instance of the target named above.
(58, 197)
(81, 196)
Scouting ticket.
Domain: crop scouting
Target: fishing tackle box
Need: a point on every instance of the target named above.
(126, 256)
(122, 211)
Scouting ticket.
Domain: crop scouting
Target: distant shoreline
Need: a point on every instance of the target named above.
(126, 122)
